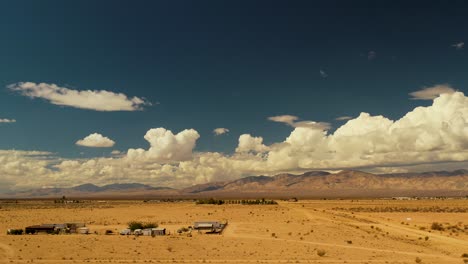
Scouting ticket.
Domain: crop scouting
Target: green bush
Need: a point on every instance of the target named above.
(135, 225)
(141, 225)
(149, 225)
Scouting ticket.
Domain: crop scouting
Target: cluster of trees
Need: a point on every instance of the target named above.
(209, 201)
(257, 201)
(219, 202)
(141, 225)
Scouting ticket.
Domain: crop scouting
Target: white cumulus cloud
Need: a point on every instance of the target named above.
(165, 146)
(433, 137)
(431, 93)
(96, 140)
(249, 143)
(220, 130)
(101, 100)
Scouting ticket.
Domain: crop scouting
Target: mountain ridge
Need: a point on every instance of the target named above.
(285, 184)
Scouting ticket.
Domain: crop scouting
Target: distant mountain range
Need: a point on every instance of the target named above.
(92, 191)
(313, 184)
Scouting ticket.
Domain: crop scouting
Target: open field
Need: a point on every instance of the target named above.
(346, 231)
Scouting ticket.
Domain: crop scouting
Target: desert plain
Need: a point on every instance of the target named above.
(306, 231)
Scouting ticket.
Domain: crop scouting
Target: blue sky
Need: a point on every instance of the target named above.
(220, 64)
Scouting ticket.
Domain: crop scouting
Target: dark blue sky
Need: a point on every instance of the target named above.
(216, 64)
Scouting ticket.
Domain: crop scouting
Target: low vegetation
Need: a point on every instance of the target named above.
(437, 226)
(244, 202)
(141, 225)
(321, 252)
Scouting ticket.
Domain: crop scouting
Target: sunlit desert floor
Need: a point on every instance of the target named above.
(347, 231)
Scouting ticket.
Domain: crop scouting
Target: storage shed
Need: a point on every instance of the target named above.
(209, 226)
(159, 231)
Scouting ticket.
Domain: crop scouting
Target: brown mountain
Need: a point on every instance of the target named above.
(313, 184)
(342, 184)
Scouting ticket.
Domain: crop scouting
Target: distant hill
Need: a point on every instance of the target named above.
(313, 184)
(92, 191)
(347, 183)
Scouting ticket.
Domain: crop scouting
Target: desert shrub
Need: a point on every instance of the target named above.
(135, 225)
(150, 225)
(349, 241)
(437, 226)
(141, 225)
(418, 260)
(182, 230)
(210, 201)
(426, 238)
(109, 232)
(464, 255)
(321, 252)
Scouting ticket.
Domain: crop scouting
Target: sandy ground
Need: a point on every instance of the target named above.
(348, 231)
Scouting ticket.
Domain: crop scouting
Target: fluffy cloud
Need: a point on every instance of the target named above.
(5, 120)
(292, 121)
(220, 130)
(431, 92)
(95, 100)
(436, 133)
(96, 140)
(425, 136)
(165, 146)
(247, 143)
(24, 169)
(371, 55)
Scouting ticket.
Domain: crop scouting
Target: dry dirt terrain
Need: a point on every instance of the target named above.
(344, 231)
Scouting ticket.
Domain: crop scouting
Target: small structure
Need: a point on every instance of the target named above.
(209, 226)
(45, 228)
(73, 227)
(126, 231)
(138, 232)
(147, 232)
(83, 230)
(159, 231)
